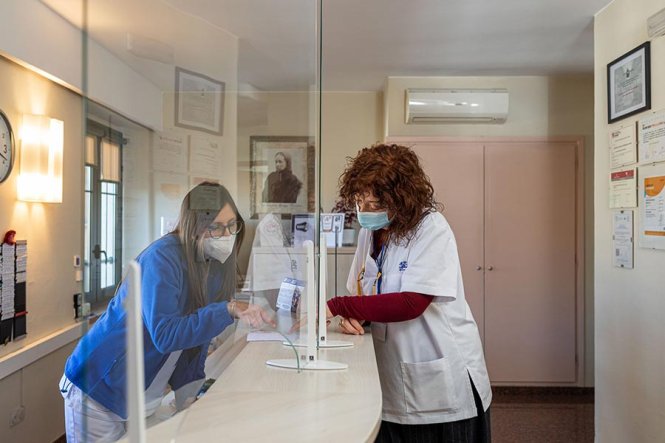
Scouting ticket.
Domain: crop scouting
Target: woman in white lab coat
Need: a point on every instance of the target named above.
(431, 365)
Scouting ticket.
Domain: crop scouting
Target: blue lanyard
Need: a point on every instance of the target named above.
(379, 263)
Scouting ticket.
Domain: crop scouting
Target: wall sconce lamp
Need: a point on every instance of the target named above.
(40, 171)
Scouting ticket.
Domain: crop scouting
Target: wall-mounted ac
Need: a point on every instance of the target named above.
(456, 105)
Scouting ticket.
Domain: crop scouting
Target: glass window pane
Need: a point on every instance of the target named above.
(110, 164)
(90, 151)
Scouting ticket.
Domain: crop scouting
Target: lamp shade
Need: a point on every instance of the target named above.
(40, 170)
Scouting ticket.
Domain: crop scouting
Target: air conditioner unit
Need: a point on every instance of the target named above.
(656, 24)
(456, 105)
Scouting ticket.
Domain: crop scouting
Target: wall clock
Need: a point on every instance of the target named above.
(6, 147)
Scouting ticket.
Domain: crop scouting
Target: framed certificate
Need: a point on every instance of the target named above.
(629, 84)
(199, 102)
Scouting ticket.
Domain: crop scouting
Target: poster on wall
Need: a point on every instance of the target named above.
(652, 138)
(622, 239)
(623, 146)
(652, 206)
(623, 188)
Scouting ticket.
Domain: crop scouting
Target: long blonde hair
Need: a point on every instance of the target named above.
(199, 209)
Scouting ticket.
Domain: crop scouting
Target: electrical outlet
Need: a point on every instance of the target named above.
(18, 415)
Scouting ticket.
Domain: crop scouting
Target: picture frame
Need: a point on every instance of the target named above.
(629, 83)
(199, 102)
(281, 175)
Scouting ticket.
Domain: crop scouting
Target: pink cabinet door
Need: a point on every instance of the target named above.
(530, 277)
(456, 172)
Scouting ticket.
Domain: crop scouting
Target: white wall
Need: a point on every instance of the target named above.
(630, 331)
(539, 106)
(33, 35)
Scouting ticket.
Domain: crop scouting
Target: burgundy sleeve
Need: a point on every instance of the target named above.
(391, 307)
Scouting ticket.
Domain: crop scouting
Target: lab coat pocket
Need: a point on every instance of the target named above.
(428, 386)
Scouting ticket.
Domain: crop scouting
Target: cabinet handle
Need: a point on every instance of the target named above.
(490, 267)
(479, 268)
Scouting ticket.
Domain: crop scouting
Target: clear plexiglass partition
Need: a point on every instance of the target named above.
(201, 158)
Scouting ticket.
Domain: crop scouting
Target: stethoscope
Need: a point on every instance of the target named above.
(376, 287)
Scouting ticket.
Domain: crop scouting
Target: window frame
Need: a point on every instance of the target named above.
(97, 294)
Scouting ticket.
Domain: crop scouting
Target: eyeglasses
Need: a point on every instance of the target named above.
(217, 230)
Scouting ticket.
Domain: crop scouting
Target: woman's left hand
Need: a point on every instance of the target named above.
(351, 326)
(253, 315)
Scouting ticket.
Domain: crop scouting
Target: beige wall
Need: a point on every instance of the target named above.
(539, 106)
(54, 231)
(351, 120)
(54, 235)
(630, 332)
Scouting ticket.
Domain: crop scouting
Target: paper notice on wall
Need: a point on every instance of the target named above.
(652, 138)
(170, 153)
(652, 215)
(623, 146)
(623, 188)
(622, 239)
(204, 157)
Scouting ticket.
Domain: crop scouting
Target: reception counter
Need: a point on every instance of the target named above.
(251, 401)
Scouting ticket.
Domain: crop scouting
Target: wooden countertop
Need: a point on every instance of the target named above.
(251, 401)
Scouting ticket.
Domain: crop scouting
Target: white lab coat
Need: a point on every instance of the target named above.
(425, 363)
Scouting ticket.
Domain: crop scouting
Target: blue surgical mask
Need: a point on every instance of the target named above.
(373, 220)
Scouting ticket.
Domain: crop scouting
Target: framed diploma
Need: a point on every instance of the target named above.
(199, 102)
(629, 84)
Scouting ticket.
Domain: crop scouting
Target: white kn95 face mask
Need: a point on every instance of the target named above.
(219, 248)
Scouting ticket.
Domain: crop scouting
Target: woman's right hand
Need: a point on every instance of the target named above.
(253, 315)
(351, 326)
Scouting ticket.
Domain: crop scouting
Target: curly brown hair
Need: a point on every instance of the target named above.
(394, 175)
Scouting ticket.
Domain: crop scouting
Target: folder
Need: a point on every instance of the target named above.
(20, 325)
(6, 330)
(19, 297)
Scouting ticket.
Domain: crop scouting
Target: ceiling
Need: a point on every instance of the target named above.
(363, 41)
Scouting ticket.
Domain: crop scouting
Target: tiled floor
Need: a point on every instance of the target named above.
(542, 415)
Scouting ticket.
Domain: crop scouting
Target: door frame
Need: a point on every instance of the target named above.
(580, 295)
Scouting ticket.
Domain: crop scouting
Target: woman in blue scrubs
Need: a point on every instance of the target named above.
(187, 278)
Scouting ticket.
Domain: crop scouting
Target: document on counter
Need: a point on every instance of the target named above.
(622, 239)
(623, 146)
(623, 188)
(267, 336)
(652, 215)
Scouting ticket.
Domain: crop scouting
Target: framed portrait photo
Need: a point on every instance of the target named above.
(199, 102)
(281, 175)
(629, 83)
